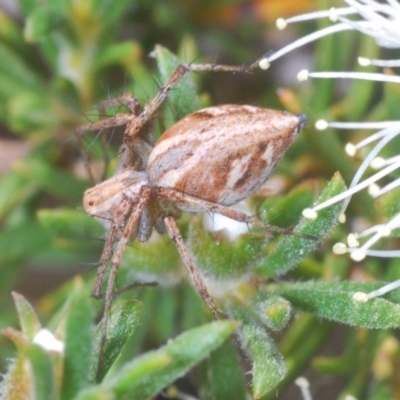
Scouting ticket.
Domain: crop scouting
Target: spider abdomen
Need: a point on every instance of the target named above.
(222, 154)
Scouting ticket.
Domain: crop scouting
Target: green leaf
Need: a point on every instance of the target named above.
(27, 6)
(183, 97)
(111, 11)
(10, 33)
(124, 53)
(220, 255)
(15, 189)
(150, 373)
(16, 76)
(334, 301)
(43, 372)
(28, 112)
(41, 22)
(94, 393)
(268, 364)
(389, 203)
(79, 341)
(52, 179)
(223, 376)
(286, 211)
(69, 224)
(22, 241)
(274, 311)
(291, 249)
(28, 319)
(143, 259)
(122, 323)
(360, 92)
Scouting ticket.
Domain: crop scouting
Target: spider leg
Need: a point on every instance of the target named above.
(127, 100)
(118, 219)
(187, 202)
(129, 230)
(180, 71)
(107, 252)
(191, 267)
(112, 122)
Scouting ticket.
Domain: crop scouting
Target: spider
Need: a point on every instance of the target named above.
(206, 162)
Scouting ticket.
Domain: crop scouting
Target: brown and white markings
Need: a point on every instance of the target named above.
(207, 161)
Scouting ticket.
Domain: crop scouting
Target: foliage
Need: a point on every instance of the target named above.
(65, 60)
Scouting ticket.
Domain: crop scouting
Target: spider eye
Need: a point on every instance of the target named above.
(91, 203)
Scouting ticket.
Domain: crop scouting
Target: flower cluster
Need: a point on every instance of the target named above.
(379, 20)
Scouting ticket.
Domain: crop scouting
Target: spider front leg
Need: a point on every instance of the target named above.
(117, 221)
(191, 267)
(127, 215)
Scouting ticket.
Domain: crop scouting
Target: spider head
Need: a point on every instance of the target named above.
(112, 196)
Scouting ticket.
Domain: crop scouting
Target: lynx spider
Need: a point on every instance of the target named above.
(152, 185)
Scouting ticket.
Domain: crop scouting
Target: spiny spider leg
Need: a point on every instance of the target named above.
(118, 221)
(191, 267)
(185, 201)
(127, 100)
(129, 231)
(180, 71)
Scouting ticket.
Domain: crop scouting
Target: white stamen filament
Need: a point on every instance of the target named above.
(391, 130)
(349, 192)
(369, 231)
(378, 63)
(356, 75)
(380, 162)
(332, 14)
(382, 253)
(308, 39)
(382, 231)
(387, 135)
(390, 186)
(394, 4)
(384, 289)
(304, 386)
(383, 29)
(323, 124)
(379, 20)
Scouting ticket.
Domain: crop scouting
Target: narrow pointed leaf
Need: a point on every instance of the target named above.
(43, 372)
(78, 340)
(183, 97)
(334, 301)
(28, 319)
(268, 364)
(224, 377)
(122, 323)
(291, 249)
(150, 373)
